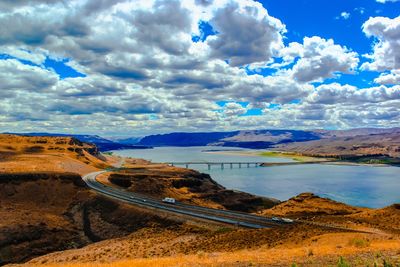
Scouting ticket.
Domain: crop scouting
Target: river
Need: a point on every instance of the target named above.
(364, 186)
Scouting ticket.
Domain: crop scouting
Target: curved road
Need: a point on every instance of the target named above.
(222, 216)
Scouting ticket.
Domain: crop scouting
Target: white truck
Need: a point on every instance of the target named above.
(169, 200)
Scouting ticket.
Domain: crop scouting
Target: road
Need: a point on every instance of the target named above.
(221, 216)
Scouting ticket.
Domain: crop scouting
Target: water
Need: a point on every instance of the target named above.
(365, 186)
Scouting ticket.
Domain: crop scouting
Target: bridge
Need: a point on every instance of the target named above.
(222, 164)
(240, 164)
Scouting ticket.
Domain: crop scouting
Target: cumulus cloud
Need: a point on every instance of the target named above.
(386, 51)
(389, 78)
(234, 109)
(17, 77)
(319, 59)
(144, 73)
(247, 34)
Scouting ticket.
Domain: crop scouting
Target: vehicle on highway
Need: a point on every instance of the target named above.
(287, 220)
(132, 197)
(169, 200)
(276, 219)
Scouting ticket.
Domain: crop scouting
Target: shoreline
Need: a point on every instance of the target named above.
(297, 158)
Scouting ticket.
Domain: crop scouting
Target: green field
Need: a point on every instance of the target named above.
(290, 155)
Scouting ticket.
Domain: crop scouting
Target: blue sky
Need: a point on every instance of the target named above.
(138, 67)
(323, 18)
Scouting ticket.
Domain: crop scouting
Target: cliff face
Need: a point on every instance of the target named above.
(16, 144)
(30, 153)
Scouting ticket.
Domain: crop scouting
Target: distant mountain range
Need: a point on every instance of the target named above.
(254, 139)
(353, 143)
(284, 139)
(246, 139)
(101, 143)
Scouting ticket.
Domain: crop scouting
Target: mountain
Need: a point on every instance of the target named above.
(246, 139)
(261, 139)
(101, 143)
(127, 141)
(350, 144)
(356, 132)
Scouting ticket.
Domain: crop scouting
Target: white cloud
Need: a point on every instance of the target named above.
(247, 34)
(17, 77)
(386, 50)
(344, 15)
(389, 78)
(319, 59)
(144, 73)
(234, 109)
(386, 1)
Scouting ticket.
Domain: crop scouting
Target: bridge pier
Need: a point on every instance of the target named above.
(248, 165)
(209, 166)
(187, 166)
(231, 165)
(240, 165)
(222, 166)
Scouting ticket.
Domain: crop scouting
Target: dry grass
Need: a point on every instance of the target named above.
(290, 155)
(322, 255)
(55, 154)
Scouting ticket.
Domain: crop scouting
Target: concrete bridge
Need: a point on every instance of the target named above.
(221, 164)
(248, 164)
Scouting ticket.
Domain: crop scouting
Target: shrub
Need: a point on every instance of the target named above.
(342, 262)
(359, 243)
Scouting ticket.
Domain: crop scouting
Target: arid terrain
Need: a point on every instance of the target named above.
(49, 217)
(50, 154)
(352, 146)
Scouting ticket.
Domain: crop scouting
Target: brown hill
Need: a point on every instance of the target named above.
(60, 154)
(387, 144)
(309, 205)
(304, 244)
(46, 212)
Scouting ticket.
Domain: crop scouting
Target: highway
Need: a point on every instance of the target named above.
(221, 216)
(240, 219)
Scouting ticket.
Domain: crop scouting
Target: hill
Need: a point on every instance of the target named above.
(304, 244)
(262, 139)
(101, 143)
(342, 145)
(59, 154)
(245, 139)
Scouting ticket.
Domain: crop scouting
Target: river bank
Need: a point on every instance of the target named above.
(357, 161)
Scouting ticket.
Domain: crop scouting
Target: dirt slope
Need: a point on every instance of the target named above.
(59, 154)
(304, 244)
(45, 212)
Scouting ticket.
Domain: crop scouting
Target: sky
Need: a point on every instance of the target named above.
(133, 68)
